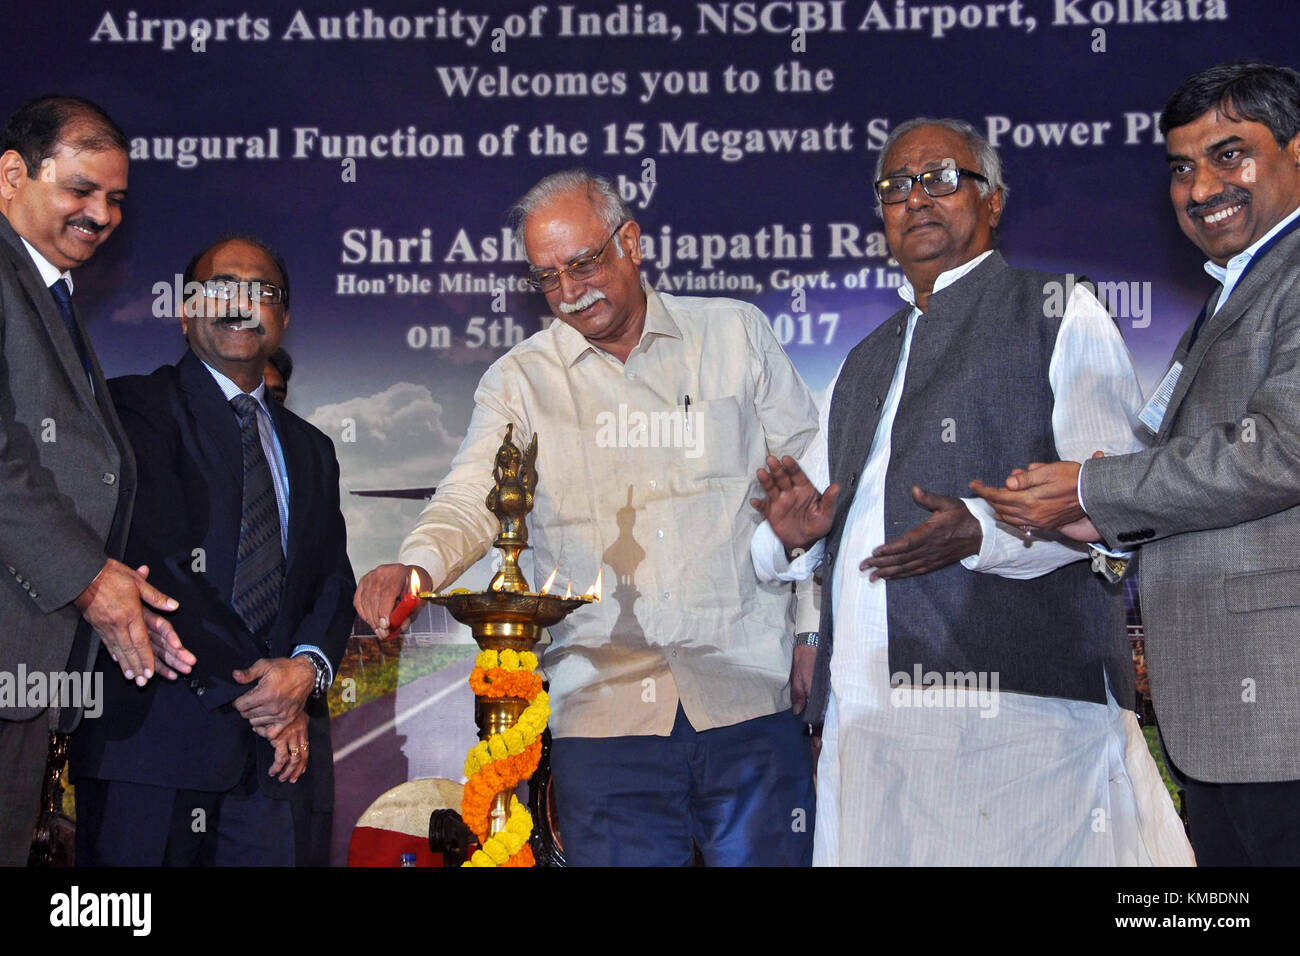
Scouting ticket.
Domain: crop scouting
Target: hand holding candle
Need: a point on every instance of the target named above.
(409, 602)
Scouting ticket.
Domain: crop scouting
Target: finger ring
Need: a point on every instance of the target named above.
(293, 750)
(304, 748)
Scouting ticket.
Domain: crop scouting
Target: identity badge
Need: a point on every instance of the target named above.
(1153, 413)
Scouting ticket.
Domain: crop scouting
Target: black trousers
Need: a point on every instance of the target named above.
(1243, 824)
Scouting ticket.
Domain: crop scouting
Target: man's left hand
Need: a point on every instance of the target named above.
(950, 534)
(282, 685)
(290, 745)
(1044, 497)
(801, 675)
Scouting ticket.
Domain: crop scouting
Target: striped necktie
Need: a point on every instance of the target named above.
(259, 567)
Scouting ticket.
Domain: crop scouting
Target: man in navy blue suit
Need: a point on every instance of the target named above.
(239, 520)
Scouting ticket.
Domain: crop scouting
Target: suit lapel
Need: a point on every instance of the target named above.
(297, 465)
(43, 303)
(219, 426)
(1260, 277)
(1181, 354)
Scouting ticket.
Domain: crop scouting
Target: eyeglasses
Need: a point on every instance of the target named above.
(583, 267)
(227, 290)
(935, 182)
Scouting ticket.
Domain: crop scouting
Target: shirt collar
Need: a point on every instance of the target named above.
(658, 321)
(230, 389)
(1242, 259)
(908, 294)
(49, 272)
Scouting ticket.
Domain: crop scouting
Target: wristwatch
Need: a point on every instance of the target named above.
(806, 639)
(322, 672)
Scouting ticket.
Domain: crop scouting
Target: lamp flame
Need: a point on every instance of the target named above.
(415, 582)
(595, 590)
(568, 590)
(549, 581)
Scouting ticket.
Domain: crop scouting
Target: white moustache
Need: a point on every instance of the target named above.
(586, 302)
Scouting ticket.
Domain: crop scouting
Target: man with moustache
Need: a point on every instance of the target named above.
(671, 703)
(245, 527)
(978, 698)
(67, 477)
(1212, 509)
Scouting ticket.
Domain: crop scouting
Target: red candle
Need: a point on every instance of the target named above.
(410, 601)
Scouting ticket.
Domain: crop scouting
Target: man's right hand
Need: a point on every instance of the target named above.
(113, 603)
(798, 513)
(380, 590)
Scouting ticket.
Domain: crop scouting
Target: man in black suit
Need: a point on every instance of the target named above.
(67, 478)
(231, 765)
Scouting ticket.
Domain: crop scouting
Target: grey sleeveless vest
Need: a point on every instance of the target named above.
(977, 376)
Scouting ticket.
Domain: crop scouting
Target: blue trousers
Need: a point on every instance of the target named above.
(743, 794)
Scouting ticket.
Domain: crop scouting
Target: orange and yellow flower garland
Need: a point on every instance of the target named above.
(503, 760)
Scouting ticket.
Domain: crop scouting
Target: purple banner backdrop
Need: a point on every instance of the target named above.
(378, 145)
(746, 148)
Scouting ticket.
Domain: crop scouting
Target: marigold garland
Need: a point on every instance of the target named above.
(499, 682)
(503, 760)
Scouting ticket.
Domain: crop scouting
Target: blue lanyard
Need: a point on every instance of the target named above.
(1259, 254)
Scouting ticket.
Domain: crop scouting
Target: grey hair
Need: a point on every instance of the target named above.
(987, 160)
(600, 190)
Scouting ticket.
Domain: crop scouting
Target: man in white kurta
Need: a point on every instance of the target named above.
(916, 777)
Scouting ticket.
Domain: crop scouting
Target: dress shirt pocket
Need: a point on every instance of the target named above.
(1261, 590)
(715, 442)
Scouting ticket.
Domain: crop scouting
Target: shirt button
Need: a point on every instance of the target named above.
(653, 483)
(674, 653)
(877, 401)
(898, 330)
(631, 376)
(660, 532)
(668, 595)
(108, 478)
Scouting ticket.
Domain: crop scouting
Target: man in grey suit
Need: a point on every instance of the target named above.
(67, 477)
(1213, 507)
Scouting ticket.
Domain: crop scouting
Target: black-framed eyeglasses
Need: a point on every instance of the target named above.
(227, 290)
(935, 182)
(579, 269)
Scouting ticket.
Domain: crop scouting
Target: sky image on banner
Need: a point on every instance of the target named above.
(378, 146)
